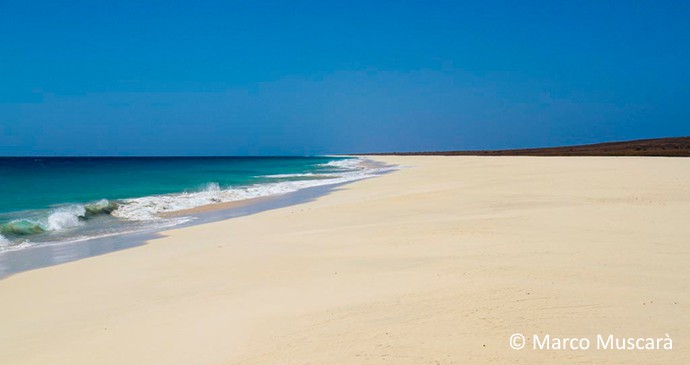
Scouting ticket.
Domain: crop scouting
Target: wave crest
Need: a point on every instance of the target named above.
(65, 217)
(4, 242)
(57, 219)
(347, 164)
(151, 207)
(103, 206)
(21, 227)
(154, 208)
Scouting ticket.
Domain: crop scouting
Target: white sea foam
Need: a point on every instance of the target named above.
(350, 163)
(7, 245)
(151, 207)
(57, 219)
(159, 224)
(283, 176)
(149, 210)
(65, 217)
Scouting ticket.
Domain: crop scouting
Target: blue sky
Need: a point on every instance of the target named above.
(296, 77)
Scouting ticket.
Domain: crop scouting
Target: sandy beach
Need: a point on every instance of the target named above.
(439, 262)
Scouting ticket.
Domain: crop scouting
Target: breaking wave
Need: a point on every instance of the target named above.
(102, 206)
(57, 219)
(346, 164)
(153, 209)
(307, 176)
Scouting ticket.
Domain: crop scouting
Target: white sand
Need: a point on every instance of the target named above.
(438, 263)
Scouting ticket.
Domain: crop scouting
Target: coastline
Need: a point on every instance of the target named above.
(46, 255)
(37, 255)
(654, 147)
(437, 263)
(169, 189)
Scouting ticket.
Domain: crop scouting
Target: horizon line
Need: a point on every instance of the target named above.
(506, 150)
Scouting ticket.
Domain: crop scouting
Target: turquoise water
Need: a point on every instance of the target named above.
(45, 200)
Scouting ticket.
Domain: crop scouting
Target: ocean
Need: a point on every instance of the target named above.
(50, 200)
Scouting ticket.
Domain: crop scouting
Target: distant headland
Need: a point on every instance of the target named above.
(668, 147)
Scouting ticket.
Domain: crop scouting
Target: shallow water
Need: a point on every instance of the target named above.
(56, 200)
(38, 256)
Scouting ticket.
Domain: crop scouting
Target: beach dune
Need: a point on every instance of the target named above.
(439, 262)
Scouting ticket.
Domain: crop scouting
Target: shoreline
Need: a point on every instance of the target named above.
(55, 253)
(68, 213)
(46, 255)
(436, 263)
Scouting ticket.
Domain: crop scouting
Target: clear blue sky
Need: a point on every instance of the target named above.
(295, 77)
